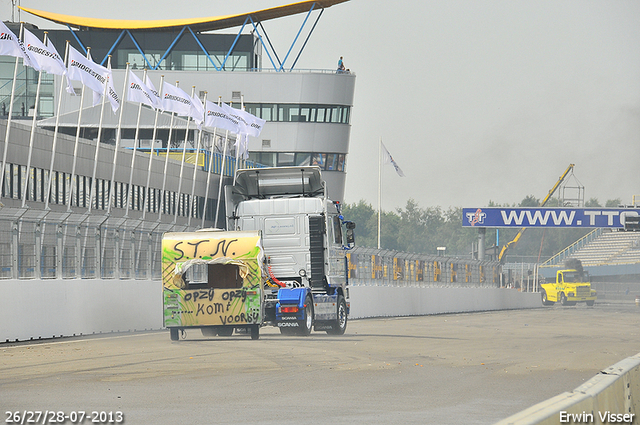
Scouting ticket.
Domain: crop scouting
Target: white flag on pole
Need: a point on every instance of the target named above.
(216, 118)
(388, 159)
(242, 146)
(252, 124)
(10, 45)
(47, 57)
(87, 72)
(112, 95)
(197, 112)
(235, 113)
(174, 99)
(156, 96)
(140, 92)
(97, 96)
(256, 125)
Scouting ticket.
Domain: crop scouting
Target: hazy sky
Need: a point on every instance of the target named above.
(477, 101)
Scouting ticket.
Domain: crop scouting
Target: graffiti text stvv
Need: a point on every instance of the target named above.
(191, 251)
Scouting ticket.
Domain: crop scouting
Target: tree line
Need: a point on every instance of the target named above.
(423, 230)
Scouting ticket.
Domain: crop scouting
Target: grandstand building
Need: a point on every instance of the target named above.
(79, 207)
(308, 112)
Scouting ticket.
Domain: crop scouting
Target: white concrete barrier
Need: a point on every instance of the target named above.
(34, 309)
(612, 396)
(380, 301)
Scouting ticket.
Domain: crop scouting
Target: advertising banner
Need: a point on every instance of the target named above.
(547, 217)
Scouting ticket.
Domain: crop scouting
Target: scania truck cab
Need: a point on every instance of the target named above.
(305, 239)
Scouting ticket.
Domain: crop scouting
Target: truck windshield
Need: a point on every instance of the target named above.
(576, 277)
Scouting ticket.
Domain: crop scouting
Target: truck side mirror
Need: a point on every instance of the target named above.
(351, 237)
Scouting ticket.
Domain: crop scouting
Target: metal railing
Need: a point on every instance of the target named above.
(31, 249)
(368, 266)
(49, 250)
(565, 253)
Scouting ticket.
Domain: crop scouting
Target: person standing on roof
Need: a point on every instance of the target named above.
(340, 65)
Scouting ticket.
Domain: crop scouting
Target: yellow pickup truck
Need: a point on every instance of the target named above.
(571, 287)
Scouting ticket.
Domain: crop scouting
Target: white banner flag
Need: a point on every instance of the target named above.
(235, 113)
(217, 118)
(174, 99)
(47, 57)
(112, 95)
(197, 111)
(252, 124)
(140, 92)
(11, 46)
(87, 72)
(388, 159)
(256, 125)
(156, 96)
(97, 96)
(242, 146)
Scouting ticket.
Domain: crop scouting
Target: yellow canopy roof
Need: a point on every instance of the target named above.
(196, 24)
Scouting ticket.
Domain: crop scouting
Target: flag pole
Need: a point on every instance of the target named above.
(153, 141)
(184, 155)
(166, 163)
(379, 187)
(6, 137)
(93, 186)
(245, 142)
(118, 138)
(55, 131)
(32, 135)
(206, 191)
(224, 157)
(77, 142)
(195, 165)
(135, 150)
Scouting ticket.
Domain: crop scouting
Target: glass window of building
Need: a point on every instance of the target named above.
(303, 158)
(321, 114)
(332, 161)
(286, 159)
(319, 159)
(305, 114)
(264, 158)
(335, 114)
(300, 113)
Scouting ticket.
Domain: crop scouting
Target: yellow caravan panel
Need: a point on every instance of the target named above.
(230, 293)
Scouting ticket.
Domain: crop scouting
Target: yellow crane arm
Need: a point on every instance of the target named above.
(515, 240)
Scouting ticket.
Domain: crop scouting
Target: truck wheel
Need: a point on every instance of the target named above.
(305, 325)
(339, 326)
(545, 300)
(225, 331)
(563, 299)
(591, 303)
(209, 331)
(175, 334)
(255, 332)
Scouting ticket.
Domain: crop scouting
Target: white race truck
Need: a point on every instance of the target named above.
(282, 261)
